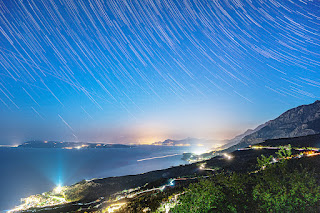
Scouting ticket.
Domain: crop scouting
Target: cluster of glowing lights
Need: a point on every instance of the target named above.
(68, 148)
(199, 151)
(41, 200)
(312, 153)
(58, 189)
(202, 166)
(228, 156)
(115, 207)
(78, 147)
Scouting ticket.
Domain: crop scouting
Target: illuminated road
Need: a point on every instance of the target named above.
(165, 156)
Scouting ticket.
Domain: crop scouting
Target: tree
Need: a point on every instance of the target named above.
(284, 152)
(201, 197)
(278, 188)
(223, 193)
(281, 190)
(264, 161)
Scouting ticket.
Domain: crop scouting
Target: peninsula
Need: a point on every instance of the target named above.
(70, 145)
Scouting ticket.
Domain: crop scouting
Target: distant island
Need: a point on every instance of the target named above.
(187, 142)
(70, 145)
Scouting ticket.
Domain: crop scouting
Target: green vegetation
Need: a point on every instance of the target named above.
(284, 152)
(78, 191)
(278, 188)
(223, 193)
(263, 161)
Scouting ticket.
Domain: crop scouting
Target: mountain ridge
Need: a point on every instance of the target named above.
(238, 138)
(299, 121)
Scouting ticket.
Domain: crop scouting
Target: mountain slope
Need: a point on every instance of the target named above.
(300, 121)
(238, 138)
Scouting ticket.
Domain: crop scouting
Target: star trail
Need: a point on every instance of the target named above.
(125, 71)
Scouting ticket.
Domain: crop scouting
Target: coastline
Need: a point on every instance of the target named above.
(32, 176)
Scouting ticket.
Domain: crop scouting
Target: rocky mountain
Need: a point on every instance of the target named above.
(238, 138)
(300, 121)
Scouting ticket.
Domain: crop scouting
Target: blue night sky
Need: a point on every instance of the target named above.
(146, 70)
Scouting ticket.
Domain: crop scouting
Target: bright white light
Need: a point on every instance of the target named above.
(58, 189)
(171, 183)
(229, 157)
(199, 152)
(202, 166)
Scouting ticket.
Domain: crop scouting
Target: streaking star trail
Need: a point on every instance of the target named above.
(99, 67)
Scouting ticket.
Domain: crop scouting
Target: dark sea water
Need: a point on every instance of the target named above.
(24, 172)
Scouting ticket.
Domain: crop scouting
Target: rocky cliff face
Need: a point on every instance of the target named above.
(299, 121)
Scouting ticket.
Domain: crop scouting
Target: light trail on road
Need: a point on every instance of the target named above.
(165, 156)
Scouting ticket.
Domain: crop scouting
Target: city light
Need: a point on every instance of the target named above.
(58, 189)
(229, 157)
(198, 152)
(202, 166)
(171, 183)
(115, 207)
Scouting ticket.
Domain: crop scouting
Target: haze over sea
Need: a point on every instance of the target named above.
(27, 171)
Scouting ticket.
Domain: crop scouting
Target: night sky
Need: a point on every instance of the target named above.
(146, 70)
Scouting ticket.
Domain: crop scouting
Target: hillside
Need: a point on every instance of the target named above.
(238, 138)
(300, 121)
(302, 141)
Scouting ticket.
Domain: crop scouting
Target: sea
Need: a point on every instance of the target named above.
(28, 171)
